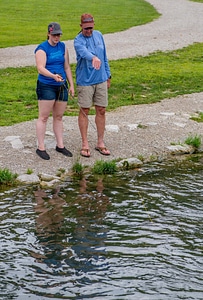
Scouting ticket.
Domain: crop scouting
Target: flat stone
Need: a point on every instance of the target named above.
(48, 177)
(132, 127)
(49, 183)
(112, 128)
(152, 123)
(167, 113)
(181, 149)
(49, 133)
(182, 125)
(130, 162)
(28, 178)
(15, 142)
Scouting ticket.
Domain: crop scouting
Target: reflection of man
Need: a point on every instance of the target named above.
(99, 201)
(90, 233)
(93, 80)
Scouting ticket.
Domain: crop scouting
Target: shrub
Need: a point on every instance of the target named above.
(7, 177)
(104, 167)
(77, 168)
(194, 141)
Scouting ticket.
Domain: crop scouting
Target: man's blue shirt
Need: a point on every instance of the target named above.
(86, 48)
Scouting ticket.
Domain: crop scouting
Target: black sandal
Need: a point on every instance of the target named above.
(43, 154)
(64, 151)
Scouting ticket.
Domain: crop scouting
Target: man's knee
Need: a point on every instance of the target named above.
(101, 110)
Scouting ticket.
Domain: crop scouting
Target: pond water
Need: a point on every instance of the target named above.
(136, 235)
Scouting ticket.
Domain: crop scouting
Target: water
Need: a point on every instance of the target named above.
(137, 235)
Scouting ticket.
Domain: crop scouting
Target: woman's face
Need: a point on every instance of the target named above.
(54, 38)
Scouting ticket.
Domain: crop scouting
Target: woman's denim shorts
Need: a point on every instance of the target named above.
(52, 92)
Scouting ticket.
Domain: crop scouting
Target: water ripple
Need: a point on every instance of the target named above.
(129, 237)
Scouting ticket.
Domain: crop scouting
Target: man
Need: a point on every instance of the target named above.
(93, 80)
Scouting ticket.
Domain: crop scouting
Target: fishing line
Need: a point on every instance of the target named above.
(145, 207)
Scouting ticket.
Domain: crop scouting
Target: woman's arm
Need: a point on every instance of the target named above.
(40, 58)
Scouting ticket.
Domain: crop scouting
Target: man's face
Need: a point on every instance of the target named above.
(87, 29)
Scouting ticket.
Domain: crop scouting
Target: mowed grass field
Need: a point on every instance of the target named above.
(134, 81)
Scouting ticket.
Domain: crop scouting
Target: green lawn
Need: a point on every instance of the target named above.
(24, 22)
(134, 81)
(200, 1)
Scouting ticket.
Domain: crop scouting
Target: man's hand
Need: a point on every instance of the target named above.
(108, 83)
(96, 63)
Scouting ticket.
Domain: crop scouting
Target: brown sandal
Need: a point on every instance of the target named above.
(102, 150)
(85, 152)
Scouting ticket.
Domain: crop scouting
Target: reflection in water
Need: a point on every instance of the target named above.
(133, 236)
(50, 212)
(71, 232)
(88, 231)
(49, 221)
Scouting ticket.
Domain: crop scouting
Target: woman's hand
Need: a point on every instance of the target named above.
(58, 78)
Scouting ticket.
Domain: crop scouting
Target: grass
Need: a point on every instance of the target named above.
(160, 75)
(78, 169)
(7, 177)
(29, 171)
(25, 22)
(194, 141)
(139, 80)
(198, 117)
(104, 167)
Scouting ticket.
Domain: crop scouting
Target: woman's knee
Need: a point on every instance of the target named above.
(43, 119)
(57, 117)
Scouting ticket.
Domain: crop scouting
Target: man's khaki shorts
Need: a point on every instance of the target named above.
(93, 95)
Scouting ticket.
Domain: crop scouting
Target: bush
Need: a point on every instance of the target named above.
(7, 177)
(104, 167)
(194, 141)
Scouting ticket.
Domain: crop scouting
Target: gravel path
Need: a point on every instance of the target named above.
(136, 130)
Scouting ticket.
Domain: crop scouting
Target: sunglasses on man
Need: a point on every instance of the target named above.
(88, 28)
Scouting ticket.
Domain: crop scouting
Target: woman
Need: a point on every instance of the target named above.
(52, 61)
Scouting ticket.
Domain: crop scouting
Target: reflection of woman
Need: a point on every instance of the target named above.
(52, 61)
(48, 227)
(50, 213)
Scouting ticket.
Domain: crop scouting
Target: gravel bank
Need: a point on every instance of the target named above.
(131, 131)
(162, 123)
